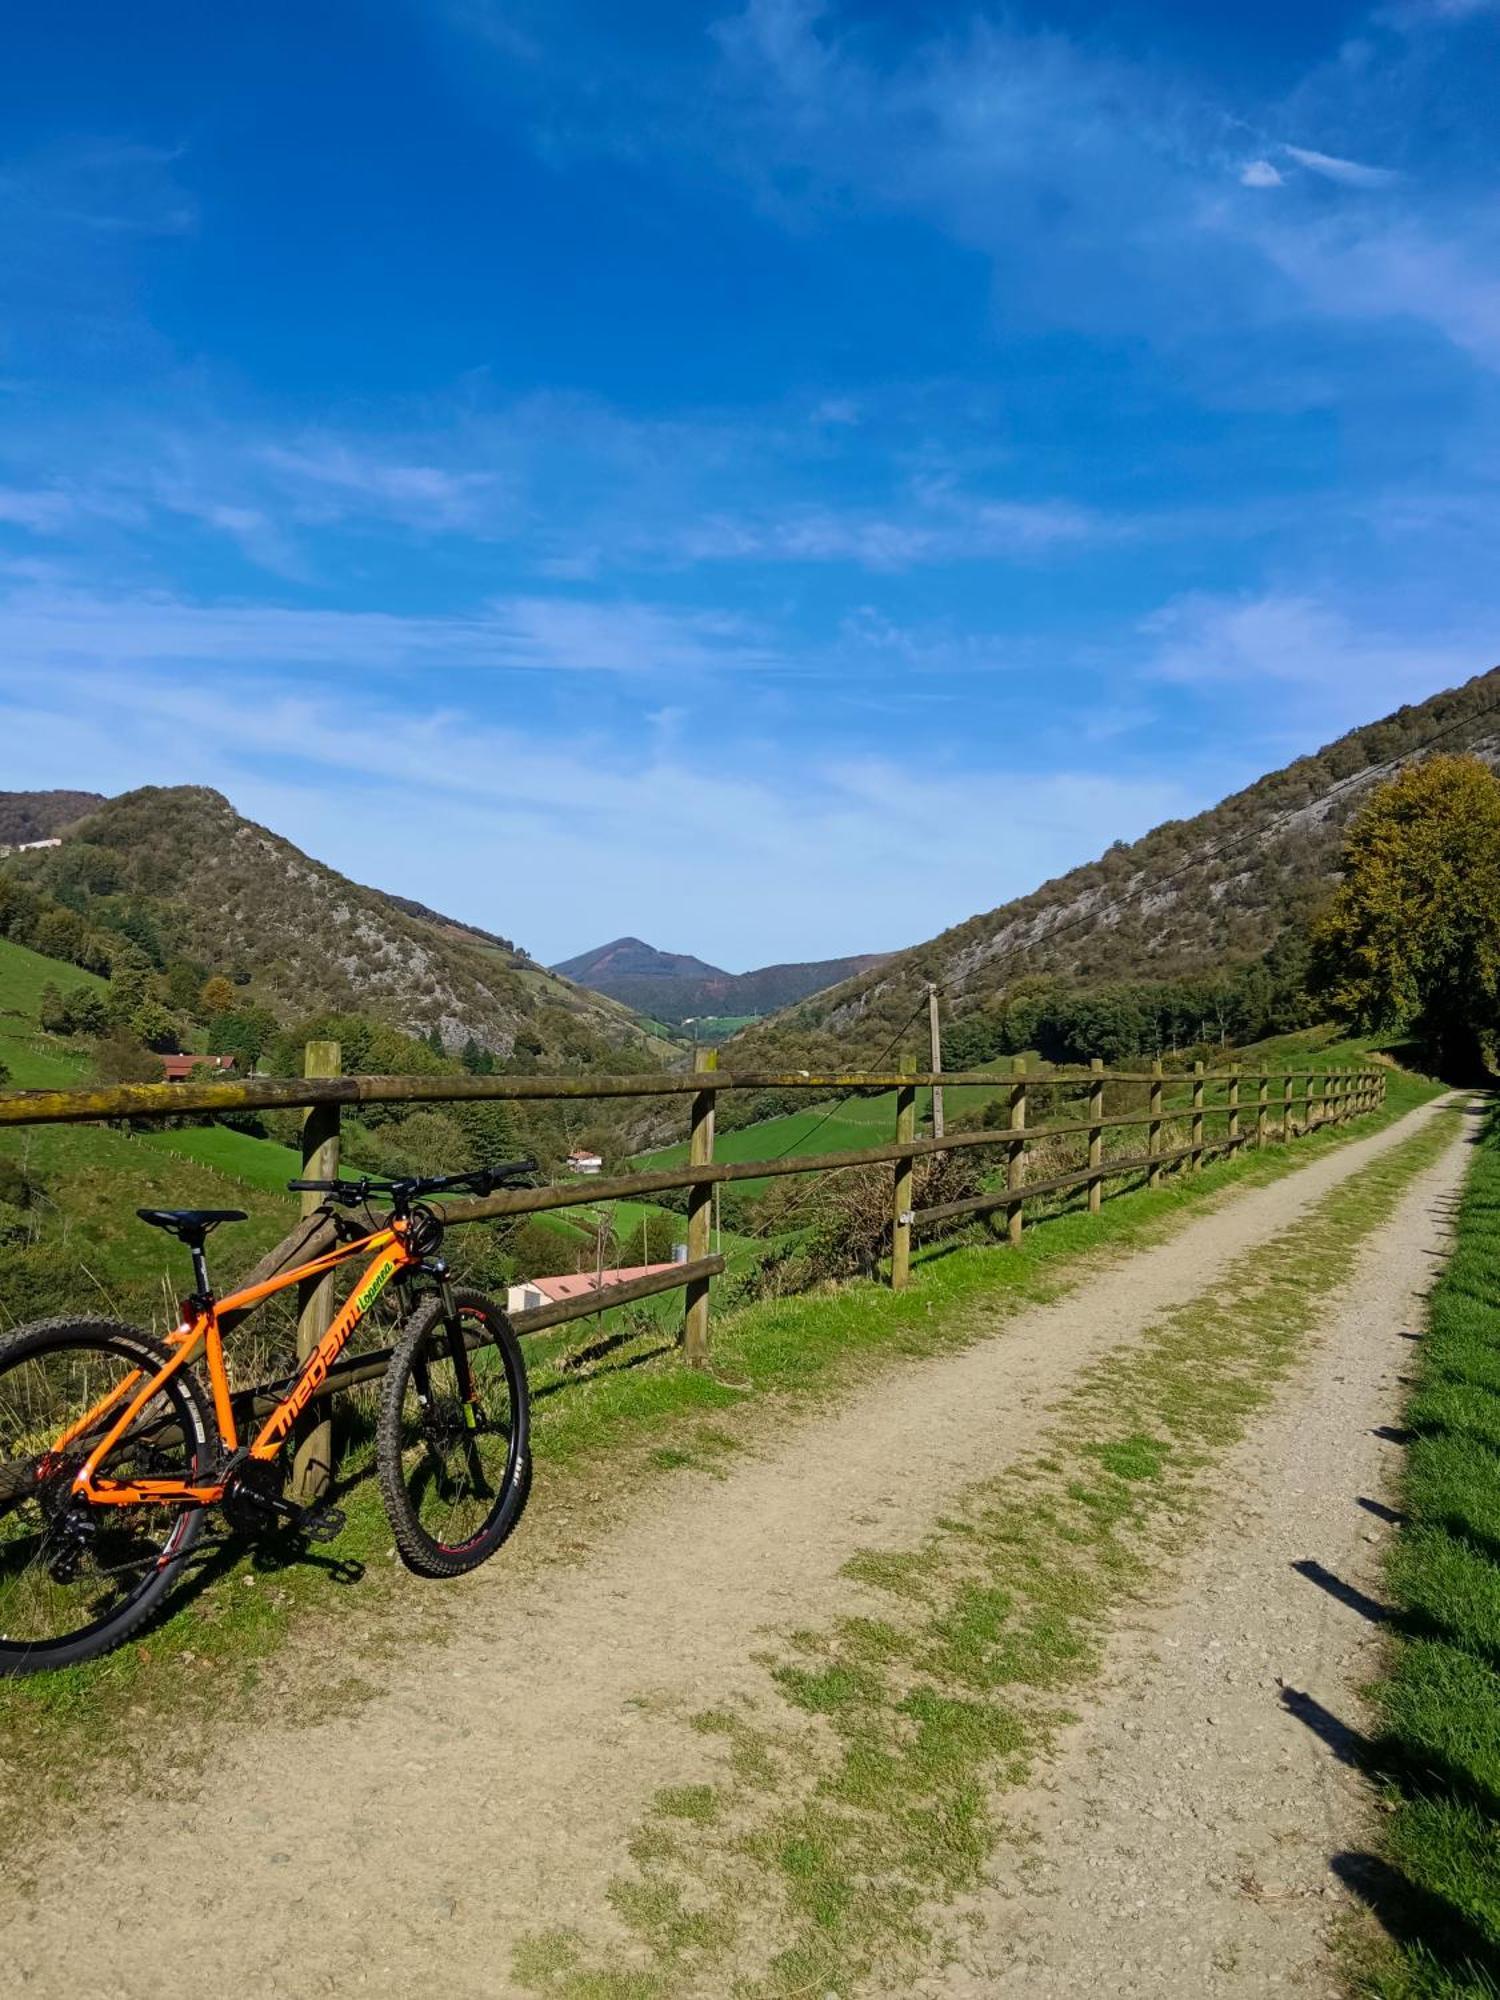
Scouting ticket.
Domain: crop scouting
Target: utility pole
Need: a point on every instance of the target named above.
(935, 1037)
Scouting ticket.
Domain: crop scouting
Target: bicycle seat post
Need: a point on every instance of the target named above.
(200, 1272)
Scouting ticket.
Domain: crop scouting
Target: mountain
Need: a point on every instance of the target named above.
(42, 815)
(1193, 896)
(672, 986)
(629, 958)
(184, 877)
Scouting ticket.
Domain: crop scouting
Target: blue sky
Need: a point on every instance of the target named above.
(775, 479)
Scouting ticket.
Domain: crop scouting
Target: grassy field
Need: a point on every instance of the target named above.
(37, 1061)
(614, 1408)
(1437, 1747)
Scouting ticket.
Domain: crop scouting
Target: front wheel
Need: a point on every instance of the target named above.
(452, 1442)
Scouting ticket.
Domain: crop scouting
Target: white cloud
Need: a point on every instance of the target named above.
(57, 627)
(559, 842)
(1259, 174)
(1348, 173)
(1394, 270)
(333, 478)
(42, 511)
(946, 528)
(1304, 643)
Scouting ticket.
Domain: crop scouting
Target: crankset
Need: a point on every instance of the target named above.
(254, 1502)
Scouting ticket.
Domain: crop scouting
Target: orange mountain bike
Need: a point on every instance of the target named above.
(110, 1455)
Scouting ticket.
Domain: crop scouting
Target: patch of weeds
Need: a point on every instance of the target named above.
(698, 1803)
(861, 1790)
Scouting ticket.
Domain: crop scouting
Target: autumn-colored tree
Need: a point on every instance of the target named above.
(216, 996)
(1412, 937)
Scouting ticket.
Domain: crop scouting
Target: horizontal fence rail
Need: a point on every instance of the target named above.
(1248, 1108)
(265, 1093)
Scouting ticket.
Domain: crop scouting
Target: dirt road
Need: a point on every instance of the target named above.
(491, 1788)
(1195, 1836)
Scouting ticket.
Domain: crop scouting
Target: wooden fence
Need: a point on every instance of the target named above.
(1327, 1096)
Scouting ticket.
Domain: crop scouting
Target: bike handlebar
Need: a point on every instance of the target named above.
(354, 1194)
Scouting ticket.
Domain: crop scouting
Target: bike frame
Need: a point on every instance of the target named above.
(390, 1253)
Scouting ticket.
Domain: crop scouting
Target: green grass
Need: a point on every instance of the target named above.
(851, 1804)
(37, 1061)
(258, 1163)
(1437, 1884)
(24, 973)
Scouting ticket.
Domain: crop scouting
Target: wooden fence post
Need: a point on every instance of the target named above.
(1262, 1109)
(1015, 1166)
(1233, 1134)
(1096, 1134)
(1196, 1160)
(1317, 1100)
(1153, 1130)
(906, 1128)
(935, 1049)
(700, 1217)
(1288, 1083)
(312, 1458)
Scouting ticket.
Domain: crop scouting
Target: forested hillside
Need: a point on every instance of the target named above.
(171, 888)
(1197, 931)
(42, 815)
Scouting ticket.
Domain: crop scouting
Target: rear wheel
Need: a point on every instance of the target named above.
(77, 1578)
(452, 1443)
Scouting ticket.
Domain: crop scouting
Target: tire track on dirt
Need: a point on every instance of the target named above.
(491, 1788)
(1195, 1834)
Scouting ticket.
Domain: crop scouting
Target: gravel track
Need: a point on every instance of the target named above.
(492, 1785)
(1194, 1835)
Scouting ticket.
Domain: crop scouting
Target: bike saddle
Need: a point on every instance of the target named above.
(190, 1224)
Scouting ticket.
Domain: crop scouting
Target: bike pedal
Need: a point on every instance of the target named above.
(322, 1524)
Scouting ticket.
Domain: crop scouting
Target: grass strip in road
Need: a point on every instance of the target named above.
(859, 1793)
(1436, 1887)
(611, 1413)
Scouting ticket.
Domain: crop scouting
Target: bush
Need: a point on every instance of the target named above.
(120, 1058)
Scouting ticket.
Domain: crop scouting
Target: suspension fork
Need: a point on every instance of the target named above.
(458, 1347)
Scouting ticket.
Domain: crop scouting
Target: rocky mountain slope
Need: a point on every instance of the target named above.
(1192, 896)
(180, 870)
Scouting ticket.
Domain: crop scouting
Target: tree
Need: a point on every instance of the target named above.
(245, 1034)
(52, 1011)
(1411, 939)
(119, 1058)
(153, 1025)
(85, 1009)
(216, 996)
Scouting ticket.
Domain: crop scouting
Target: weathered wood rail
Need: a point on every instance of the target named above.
(1328, 1095)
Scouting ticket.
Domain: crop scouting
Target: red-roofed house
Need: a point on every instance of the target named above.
(177, 1069)
(573, 1285)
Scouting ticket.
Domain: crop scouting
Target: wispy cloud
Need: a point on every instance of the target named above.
(332, 477)
(42, 628)
(1303, 642)
(1347, 173)
(845, 841)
